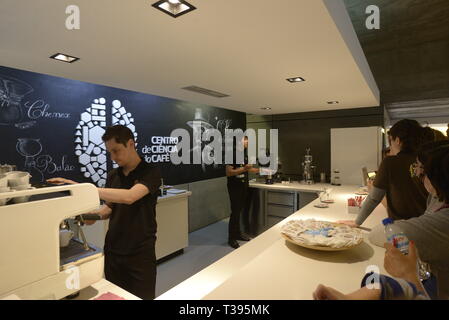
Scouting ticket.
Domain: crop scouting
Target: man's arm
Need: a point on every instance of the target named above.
(104, 211)
(125, 196)
(230, 172)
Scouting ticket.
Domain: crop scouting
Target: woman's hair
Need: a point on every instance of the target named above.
(427, 149)
(437, 170)
(411, 134)
(439, 136)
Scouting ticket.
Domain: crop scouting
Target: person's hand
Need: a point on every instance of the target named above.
(61, 181)
(248, 167)
(350, 223)
(400, 265)
(89, 222)
(327, 293)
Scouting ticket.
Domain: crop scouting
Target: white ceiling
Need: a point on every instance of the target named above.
(242, 48)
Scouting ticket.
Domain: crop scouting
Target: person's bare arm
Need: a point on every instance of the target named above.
(230, 172)
(104, 211)
(253, 170)
(124, 196)
(59, 181)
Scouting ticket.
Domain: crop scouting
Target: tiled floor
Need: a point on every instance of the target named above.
(206, 246)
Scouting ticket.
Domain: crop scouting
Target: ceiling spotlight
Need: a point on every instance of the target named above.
(64, 58)
(266, 108)
(296, 79)
(174, 8)
(333, 102)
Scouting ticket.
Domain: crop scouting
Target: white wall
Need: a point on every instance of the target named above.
(354, 148)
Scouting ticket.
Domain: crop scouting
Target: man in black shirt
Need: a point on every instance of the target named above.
(130, 199)
(238, 193)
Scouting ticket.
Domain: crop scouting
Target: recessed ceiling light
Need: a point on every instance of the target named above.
(333, 102)
(296, 79)
(266, 108)
(174, 8)
(64, 58)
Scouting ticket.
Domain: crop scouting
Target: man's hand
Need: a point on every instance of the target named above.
(248, 167)
(350, 223)
(60, 181)
(400, 265)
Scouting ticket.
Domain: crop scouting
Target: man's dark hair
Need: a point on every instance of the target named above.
(411, 134)
(437, 170)
(120, 133)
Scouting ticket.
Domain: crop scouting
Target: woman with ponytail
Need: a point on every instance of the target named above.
(406, 197)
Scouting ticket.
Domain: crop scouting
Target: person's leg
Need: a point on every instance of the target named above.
(113, 270)
(237, 202)
(141, 269)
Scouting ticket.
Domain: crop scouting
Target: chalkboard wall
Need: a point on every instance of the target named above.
(52, 126)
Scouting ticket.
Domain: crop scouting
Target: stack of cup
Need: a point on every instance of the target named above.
(19, 181)
(4, 188)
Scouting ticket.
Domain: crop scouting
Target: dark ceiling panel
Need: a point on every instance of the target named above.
(409, 55)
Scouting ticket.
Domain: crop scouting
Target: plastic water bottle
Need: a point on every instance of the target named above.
(395, 235)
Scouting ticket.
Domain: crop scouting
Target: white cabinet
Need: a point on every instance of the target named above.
(355, 148)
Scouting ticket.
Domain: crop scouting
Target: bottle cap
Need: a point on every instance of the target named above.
(387, 221)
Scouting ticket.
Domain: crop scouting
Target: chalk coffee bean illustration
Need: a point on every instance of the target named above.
(89, 147)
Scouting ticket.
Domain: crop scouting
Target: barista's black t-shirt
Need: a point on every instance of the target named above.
(132, 228)
(241, 178)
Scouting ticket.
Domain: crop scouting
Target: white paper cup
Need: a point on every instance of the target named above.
(22, 187)
(64, 237)
(3, 180)
(18, 179)
(5, 189)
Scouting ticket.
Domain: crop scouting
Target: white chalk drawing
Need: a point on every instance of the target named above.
(89, 146)
(12, 92)
(198, 131)
(38, 164)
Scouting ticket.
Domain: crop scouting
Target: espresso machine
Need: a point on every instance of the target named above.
(308, 168)
(34, 264)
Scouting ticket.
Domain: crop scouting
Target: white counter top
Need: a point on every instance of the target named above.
(173, 196)
(103, 287)
(268, 267)
(293, 186)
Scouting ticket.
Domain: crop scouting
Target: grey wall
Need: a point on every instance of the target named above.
(208, 203)
(297, 131)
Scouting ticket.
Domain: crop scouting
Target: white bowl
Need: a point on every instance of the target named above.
(64, 237)
(18, 179)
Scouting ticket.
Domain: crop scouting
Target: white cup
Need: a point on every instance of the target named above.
(22, 199)
(22, 187)
(3, 180)
(64, 237)
(17, 178)
(5, 189)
